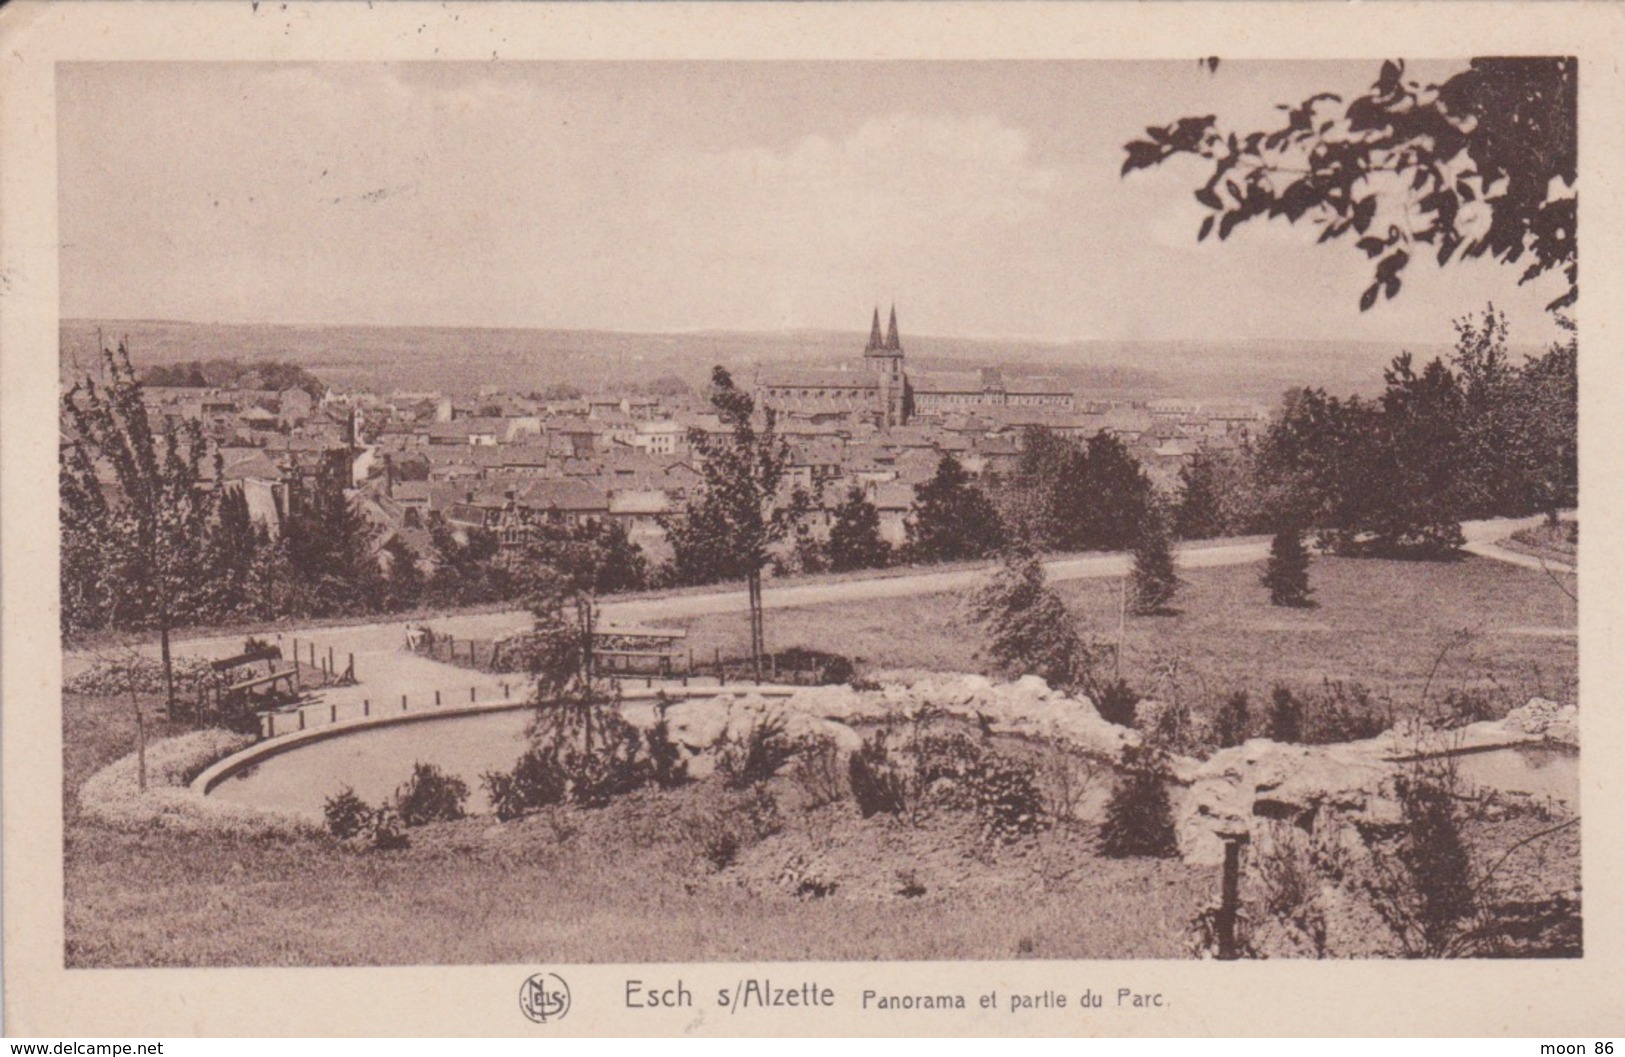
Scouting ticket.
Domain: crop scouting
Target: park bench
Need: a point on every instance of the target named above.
(235, 689)
(621, 650)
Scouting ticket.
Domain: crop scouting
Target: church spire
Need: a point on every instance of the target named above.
(874, 333)
(892, 342)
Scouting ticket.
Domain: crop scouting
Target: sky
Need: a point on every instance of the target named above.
(983, 198)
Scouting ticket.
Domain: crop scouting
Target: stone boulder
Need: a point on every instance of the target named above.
(1246, 787)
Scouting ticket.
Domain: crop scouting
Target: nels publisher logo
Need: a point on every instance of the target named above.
(545, 997)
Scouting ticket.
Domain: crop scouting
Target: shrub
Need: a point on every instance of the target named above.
(667, 768)
(536, 781)
(722, 833)
(347, 815)
(1029, 629)
(758, 756)
(817, 772)
(1285, 717)
(600, 754)
(879, 783)
(1006, 798)
(1115, 702)
(388, 833)
(613, 765)
(1153, 580)
(430, 796)
(1232, 725)
(1287, 574)
(1436, 859)
(829, 669)
(1139, 820)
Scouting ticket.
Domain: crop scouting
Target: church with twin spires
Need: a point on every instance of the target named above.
(876, 388)
(879, 389)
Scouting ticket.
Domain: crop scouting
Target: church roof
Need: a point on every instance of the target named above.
(814, 378)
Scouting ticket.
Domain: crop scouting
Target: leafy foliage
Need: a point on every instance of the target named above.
(1066, 496)
(1153, 580)
(854, 537)
(1483, 164)
(952, 519)
(758, 756)
(1030, 630)
(134, 555)
(741, 511)
(1139, 819)
(535, 781)
(234, 374)
(430, 795)
(1287, 572)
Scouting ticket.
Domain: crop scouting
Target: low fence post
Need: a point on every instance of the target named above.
(366, 706)
(471, 694)
(1230, 895)
(332, 713)
(437, 698)
(403, 702)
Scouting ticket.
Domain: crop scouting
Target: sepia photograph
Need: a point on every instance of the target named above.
(929, 510)
(1072, 529)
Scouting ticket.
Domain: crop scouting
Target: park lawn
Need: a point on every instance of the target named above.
(1501, 629)
(621, 884)
(166, 899)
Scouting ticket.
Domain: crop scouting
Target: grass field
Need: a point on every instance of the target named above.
(1509, 631)
(625, 883)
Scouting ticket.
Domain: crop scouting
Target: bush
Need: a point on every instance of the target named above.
(817, 772)
(387, 830)
(667, 768)
(879, 783)
(1285, 717)
(1115, 702)
(144, 675)
(347, 815)
(1139, 820)
(536, 781)
(758, 756)
(723, 832)
(430, 796)
(1287, 574)
(830, 669)
(1029, 629)
(1153, 580)
(1232, 725)
(612, 765)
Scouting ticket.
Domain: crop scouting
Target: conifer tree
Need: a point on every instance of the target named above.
(1030, 630)
(1139, 818)
(1153, 581)
(952, 519)
(1287, 574)
(854, 538)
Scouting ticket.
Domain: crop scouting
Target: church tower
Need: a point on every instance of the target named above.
(885, 357)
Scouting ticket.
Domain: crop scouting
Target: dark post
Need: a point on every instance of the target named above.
(332, 713)
(437, 697)
(330, 669)
(1230, 895)
(366, 706)
(403, 702)
(313, 655)
(471, 693)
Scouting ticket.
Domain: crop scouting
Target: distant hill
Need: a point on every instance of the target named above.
(460, 359)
